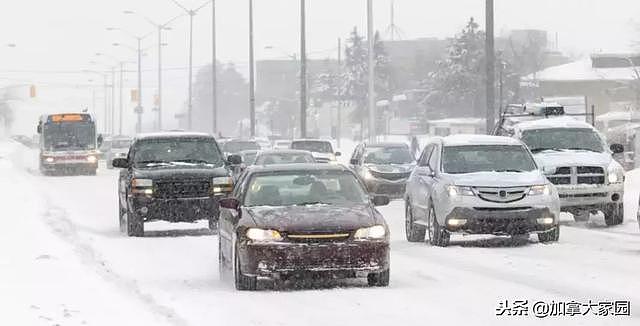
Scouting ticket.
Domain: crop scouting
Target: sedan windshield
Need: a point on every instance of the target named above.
(284, 158)
(563, 138)
(486, 158)
(313, 146)
(177, 150)
(305, 188)
(388, 155)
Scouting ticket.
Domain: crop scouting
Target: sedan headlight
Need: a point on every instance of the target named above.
(455, 191)
(375, 232)
(615, 172)
(49, 159)
(540, 190)
(263, 235)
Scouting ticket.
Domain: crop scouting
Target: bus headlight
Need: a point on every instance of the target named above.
(92, 159)
(49, 160)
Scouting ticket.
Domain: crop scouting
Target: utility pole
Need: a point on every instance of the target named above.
(191, 14)
(113, 100)
(371, 73)
(490, 69)
(105, 124)
(160, 28)
(252, 95)
(139, 107)
(121, 97)
(214, 72)
(339, 105)
(303, 70)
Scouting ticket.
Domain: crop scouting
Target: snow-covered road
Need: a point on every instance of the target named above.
(171, 276)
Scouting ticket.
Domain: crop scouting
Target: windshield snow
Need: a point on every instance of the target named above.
(174, 150)
(563, 138)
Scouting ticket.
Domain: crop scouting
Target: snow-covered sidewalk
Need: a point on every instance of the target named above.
(43, 280)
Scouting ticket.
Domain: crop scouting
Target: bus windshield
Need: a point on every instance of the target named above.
(67, 136)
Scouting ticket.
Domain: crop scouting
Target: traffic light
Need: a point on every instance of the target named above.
(134, 95)
(32, 91)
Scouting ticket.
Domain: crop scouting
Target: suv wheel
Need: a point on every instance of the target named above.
(613, 214)
(438, 235)
(414, 233)
(242, 282)
(379, 279)
(550, 236)
(135, 225)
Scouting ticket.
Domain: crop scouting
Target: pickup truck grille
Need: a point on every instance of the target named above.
(182, 189)
(572, 175)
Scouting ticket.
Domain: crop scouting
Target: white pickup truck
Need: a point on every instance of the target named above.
(578, 162)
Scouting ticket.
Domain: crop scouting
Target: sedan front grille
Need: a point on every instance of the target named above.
(393, 176)
(182, 189)
(318, 237)
(501, 195)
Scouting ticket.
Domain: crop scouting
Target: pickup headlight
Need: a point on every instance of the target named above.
(615, 172)
(142, 186)
(455, 191)
(540, 190)
(376, 232)
(263, 235)
(221, 185)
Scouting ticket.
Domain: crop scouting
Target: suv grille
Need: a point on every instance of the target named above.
(501, 195)
(391, 175)
(182, 189)
(567, 175)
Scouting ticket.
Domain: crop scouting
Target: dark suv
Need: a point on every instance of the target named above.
(175, 177)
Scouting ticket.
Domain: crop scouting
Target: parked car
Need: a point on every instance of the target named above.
(286, 220)
(476, 184)
(290, 156)
(580, 164)
(322, 150)
(118, 147)
(383, 167)
(175, 177)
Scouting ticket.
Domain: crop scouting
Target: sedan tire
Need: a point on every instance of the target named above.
(414, 233)
(379, 279)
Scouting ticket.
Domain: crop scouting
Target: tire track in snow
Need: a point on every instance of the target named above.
(56, 218)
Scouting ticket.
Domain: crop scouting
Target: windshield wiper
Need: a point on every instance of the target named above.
(195, 161)
(542, 149)
(158, 162)
(583, 149)
(309, 203)
(509, 170)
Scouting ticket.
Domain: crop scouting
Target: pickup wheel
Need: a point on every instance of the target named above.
(440, 236)
(550, 236)
(213, 223)
(414, 233)
(135, 225)
(242, 282)
(379, 279)
(613, 214)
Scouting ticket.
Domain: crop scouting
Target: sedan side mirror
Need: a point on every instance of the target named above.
(379, 200)
(234, 159)
(120, 162)
(617, 148)
(229, 203)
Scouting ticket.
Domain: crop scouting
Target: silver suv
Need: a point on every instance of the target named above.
(476, 184)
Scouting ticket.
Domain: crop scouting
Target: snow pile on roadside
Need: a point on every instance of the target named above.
(42, 281)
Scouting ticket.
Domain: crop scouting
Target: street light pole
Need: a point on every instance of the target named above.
(159, 100)
(139, 107)
(490, 68)
(371, 73)
(121, 97)
(303, 70)
(252, 95)
(214, 72)
(191, 14)
(113, 99)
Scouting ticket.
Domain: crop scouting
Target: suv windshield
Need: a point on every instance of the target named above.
(305, 188)
(236, 146)
(486, 158)
(563, 138)
(177, 150)
(313, 146)
(388, 155)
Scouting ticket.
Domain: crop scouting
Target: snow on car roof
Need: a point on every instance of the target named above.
(284, 151)
(388, 144)
(477, 139)
(559, 122)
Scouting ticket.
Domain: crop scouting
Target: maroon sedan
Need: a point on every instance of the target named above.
(286, 220)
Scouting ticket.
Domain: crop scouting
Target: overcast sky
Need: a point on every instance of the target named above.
(65, 34)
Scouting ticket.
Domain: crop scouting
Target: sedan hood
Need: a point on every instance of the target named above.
(572, 158)
(312, 218)
(181, 172)
(499, 179)
(391, 168)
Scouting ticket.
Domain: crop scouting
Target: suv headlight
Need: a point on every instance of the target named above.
(376, 232)
(142, 186)
(221, 185)
(263, 235)
(615, 172)
(455, 191)
(540, 190)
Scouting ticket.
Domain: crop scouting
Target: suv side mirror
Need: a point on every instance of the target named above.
(379, 200)
(120, 162)
(234, 159)
(617, 148)
(229, 203)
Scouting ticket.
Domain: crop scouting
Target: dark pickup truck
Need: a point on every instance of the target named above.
(175, 177)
